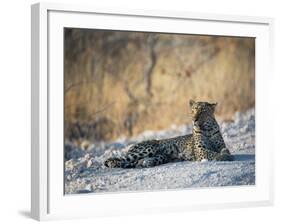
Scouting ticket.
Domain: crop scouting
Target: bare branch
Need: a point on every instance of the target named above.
(129, 92)
(152, 40)
(104, 108)
(67, 89)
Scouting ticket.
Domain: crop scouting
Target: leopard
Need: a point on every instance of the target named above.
(205, 143)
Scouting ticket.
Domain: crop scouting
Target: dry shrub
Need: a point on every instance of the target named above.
(140, 81)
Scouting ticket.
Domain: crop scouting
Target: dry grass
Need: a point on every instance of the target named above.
(113, 87)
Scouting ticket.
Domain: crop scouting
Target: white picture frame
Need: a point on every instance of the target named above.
(48, 201)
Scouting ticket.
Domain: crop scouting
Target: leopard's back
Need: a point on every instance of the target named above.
(155, 152)
(180, 147)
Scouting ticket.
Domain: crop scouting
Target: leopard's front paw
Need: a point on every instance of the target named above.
(204, 160)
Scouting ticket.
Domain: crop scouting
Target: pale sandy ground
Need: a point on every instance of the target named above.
(85, 172)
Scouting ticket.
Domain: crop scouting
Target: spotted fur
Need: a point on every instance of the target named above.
(205, 143)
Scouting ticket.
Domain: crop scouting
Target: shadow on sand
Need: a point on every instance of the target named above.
(244, 157)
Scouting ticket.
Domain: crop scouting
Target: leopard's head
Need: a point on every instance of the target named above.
(198, 108)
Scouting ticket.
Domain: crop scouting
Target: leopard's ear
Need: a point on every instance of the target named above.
(213, 105)
(191, 102)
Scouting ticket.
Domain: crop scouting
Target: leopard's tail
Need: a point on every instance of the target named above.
(118, 163)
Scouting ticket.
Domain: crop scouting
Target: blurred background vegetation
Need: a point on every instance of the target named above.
(122, 83)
